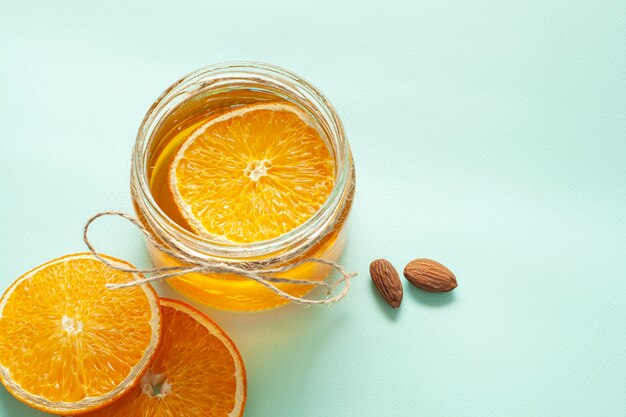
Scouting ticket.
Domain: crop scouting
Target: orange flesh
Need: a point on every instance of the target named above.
(66, 338)
(252, 174)
(197, 372)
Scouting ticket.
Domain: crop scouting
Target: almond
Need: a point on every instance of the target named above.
(430, 275)
(387, 281)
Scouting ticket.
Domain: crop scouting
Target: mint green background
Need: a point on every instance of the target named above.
(489, 135)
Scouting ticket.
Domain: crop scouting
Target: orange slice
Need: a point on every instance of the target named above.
(198, 372)
(253, 173)
(69, 345)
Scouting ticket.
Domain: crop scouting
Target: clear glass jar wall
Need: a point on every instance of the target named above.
(210, 92)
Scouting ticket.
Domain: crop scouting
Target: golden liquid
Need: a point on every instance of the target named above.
(229, 292)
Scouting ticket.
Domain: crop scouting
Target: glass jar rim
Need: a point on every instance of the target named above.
(214, 76)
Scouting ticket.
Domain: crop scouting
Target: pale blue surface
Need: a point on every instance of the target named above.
(489, 135)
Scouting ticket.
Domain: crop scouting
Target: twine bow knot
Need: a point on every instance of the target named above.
(193, 264)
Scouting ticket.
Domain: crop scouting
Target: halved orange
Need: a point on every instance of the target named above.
(252, 173)
(69, 345)
(198, 372)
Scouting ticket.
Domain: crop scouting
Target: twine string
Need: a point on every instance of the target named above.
(194, 264)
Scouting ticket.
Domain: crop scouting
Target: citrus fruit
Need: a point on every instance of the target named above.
(252, 173)
(69, 345)
(197, 372)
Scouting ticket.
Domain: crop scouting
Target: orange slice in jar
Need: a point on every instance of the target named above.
(198, 372)
(253, 173)
(67, 343)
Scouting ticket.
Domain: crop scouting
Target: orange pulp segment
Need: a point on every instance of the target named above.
(198, 372)
(68, 344)
(252, 173)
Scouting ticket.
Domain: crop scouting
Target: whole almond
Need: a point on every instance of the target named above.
(430, 275)
(387, 281)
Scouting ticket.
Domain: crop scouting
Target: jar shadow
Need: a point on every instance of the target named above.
(278, 346)
(287, 365)
(275, 330)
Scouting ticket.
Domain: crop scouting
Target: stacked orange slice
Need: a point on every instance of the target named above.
(69, 345)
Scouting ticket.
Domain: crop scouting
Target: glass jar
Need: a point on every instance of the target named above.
(209, 92)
